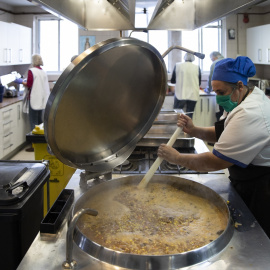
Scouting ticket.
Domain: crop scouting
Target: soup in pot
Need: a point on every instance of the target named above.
(158, 220)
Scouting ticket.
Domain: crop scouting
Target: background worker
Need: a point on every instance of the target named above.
(187, 77)
(37, 94)
(215, 57)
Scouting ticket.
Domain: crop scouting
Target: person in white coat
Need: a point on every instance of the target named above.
(242, 137)
(187, 77)
(38, 91)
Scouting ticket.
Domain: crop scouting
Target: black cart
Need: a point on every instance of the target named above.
(21, 208)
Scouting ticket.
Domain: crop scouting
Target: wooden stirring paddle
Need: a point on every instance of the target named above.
(158, 161)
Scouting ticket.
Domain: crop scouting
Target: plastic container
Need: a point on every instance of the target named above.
(56, 215)
(60, 173)
(21, 208)
(1, 93)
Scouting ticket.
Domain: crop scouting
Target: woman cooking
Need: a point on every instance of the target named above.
(242, 137)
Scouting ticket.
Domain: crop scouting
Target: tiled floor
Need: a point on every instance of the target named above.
(24, 155)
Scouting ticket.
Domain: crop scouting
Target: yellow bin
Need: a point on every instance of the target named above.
(60, 173)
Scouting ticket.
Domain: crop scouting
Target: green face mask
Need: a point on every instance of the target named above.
(226, 102)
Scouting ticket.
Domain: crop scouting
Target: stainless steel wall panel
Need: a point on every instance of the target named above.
(207, 11)
(179, 15)
(92, 15)
(74, 10)
(167, 15)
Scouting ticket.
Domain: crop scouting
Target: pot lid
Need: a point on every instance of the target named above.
(104, 103)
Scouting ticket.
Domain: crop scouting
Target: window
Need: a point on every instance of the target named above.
(205, 40)
(157, 38)
(190, 40)
(57, 42)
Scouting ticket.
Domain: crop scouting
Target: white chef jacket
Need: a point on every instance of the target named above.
(187, 81)
(40, 89)
(246, 136)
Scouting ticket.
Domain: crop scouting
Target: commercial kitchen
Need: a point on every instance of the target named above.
(109, 110)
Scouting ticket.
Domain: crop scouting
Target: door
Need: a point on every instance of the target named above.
(13, 43)
(258, 47)
(210, 111)
(22, 125)
(25, 47)
(205, 111)
(3, 43)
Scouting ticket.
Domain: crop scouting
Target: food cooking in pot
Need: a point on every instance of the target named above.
(160, 219)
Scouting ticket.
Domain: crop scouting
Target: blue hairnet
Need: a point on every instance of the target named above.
(234, 70)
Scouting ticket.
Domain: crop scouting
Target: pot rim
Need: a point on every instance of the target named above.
(157, 262)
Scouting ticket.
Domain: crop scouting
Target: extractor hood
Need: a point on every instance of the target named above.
(159, 14)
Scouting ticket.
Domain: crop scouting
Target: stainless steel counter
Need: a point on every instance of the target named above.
(248, 249)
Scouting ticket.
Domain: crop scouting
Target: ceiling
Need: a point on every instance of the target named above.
(18, 3)
(141, 3)
(264, 3)
(160, 14)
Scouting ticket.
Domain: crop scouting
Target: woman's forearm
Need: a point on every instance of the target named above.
(204, 133)
(205, 162)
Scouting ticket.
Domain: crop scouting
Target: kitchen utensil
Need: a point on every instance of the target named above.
(102, 194)
(158, 161)
(179, 111)
(122, 75)
(11, 92)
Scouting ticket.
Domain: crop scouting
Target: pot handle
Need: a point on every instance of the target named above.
(70, 263)
(158, 161)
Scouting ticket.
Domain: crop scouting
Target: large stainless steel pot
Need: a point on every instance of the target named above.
(173, 261)
(104, 103)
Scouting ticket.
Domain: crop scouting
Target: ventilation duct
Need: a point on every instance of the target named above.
(164, 15)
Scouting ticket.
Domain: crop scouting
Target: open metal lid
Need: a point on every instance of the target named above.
(104, 103)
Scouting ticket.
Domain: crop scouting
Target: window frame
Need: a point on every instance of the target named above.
(133, 33)
(219, 26)
(221, 46)
(201, 44)
(36, 38)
